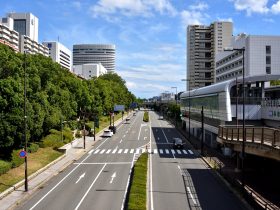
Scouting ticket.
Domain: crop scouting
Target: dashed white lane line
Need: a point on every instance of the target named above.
(191, 152)
(166, 151)
(120, 151)
(155, 151)
(137, 151)
(114, 151)
(173, 151)
(185, 152)
(189, 191)
(160, 151)
(125, 151)
(102, 151)
(132, 150)
(179, 152)
(109, 150)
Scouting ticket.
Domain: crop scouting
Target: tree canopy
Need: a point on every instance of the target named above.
(53, 93)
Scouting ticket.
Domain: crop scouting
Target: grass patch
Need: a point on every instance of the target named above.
(137, 194)
(36, 161)
(146, 116)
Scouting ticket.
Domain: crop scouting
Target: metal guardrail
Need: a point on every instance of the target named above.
(258, 135)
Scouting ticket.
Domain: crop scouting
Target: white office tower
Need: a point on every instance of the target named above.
(95, 53)
(59, 53)
(89, 70)
(261, 57)
(203, 43)
(8, 36)
(26, 24)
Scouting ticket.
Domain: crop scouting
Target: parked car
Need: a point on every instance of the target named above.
(160, 118)
(107, 133)
(178, 143)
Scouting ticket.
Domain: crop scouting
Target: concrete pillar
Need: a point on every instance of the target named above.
(262, 85)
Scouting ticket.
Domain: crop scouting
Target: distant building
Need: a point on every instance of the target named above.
(25, 24)
(59, 53)
(167, 97)
(8, 36)
(89, 70)
(31, 46)
(95, 53)
(203, 43)
(261, 57)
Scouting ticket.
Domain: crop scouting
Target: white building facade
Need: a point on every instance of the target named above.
(8, 36)
(31, 46)
(59, 53)
(95, 53)
(261, 57)
(89, 70)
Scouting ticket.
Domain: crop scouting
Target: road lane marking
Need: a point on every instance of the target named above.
(114, 151)
(151, 171)
(137, 151)
(132, 150)
(91, 151)
(121, 141)
(191, 152)
(108, 163)
(173, 151)
(166, 151)
(127, 131)
(189, 191)
(90, 187)
(149, 150)
(179, 152)
(157, 138)
(125, 151)
(185, 152)
(120, 151)
(160, 151)
(82, 176)
(102, 151)
(155, 151)
(143, 150)
(109, 150)
(113, 177)
(96, 151)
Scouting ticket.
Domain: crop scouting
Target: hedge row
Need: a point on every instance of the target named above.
(146, 117)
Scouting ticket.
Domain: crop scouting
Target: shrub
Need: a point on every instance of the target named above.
(4, 166)
(33, 148)
(78, 134)
(16, 160)
(146, 117)
(52, 140)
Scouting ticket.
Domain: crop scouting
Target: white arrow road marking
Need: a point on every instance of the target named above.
(113, 177)
(82, 176)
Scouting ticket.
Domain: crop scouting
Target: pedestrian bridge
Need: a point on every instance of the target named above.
(260, 141)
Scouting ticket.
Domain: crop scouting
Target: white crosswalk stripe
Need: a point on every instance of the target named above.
(143, 150)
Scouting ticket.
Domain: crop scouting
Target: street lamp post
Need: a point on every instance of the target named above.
(176, 99)
(243, 110)
(25, 127)
(188, 80)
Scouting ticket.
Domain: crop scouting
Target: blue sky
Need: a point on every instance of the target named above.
(150, 35)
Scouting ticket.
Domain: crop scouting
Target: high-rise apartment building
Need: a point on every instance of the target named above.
(203, 43)
(59, 53)
(8, 36)
(25, 24)
(95, 53)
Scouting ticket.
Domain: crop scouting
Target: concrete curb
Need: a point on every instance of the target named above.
(19, 184)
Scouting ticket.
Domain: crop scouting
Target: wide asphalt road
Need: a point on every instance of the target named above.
(99, 179)
(179, 179)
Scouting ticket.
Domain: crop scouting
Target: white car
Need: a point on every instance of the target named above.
(160, 118)
(107, 133)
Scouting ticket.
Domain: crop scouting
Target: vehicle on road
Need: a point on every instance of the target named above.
(107, 133)
(160, 118)
(127, 119)
(134, 114)
(178, 143)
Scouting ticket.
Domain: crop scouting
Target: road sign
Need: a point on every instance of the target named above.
(22, 154)
(118, 108)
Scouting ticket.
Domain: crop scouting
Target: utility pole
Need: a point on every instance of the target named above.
(25, 128)
(84, 132)
(202, 131)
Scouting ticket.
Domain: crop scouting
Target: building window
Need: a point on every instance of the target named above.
(268, 49)
(268, 60)
(268, 70)
(207, 75)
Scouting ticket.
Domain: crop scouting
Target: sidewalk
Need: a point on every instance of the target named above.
(74, 153)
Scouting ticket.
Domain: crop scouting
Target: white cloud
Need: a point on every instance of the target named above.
(192, 17)
(200, 6)
(251, 6)
(275, 8)
(269, 20)
(132, 7)
(225, 19)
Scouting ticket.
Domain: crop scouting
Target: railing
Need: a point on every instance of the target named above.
(258, 135)
(271, 103)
